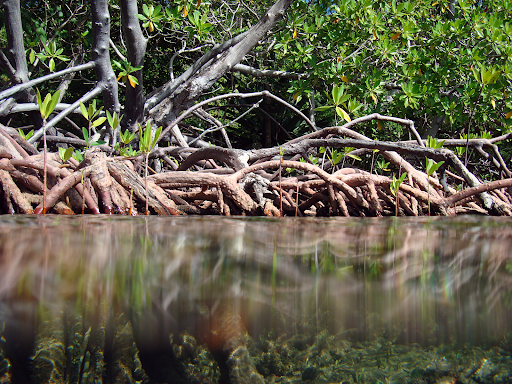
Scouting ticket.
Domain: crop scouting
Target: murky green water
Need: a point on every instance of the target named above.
(233, 300)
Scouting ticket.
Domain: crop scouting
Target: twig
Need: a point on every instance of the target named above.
(254, 106)
(243, 96)
(20, 87)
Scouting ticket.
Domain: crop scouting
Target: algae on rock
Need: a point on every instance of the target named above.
(49, 358)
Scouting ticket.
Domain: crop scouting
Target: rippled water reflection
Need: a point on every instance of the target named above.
(423, 280)
(429, 279)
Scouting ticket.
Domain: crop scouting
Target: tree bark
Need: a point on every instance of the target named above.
(100, 54)
(136, 49)
(15, 45)
(17, 62)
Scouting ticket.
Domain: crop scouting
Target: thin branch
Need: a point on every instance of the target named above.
(27, 107)
(355, 52)
(20, 87)
(171, 86)
(7, 64)
(254, 106)
(182, 50)
(116, 50)
(243, 96)
(201, 113)
(245, 69)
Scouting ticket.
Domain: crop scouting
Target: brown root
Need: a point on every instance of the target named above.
(258, 182)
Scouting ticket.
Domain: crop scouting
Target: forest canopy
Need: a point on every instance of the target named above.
(405, 94)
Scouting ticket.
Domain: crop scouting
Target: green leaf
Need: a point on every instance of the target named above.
(99, 121)
(476, 74)
(90, 111)
(342, 113)
(54, 100)
(86, 134)
(133, 81)
(83, 109)
(118, 64)
(28, 135)
(110, 118)
(127, 136)
(157, 136)
(44, 107)
(433, 142)
(51, 65)
(324, 108)
(147, 137)
(77, 155)
(39, 103)
(65, 154)
(383, 165)
(395, 184)
(337, 92)
(32, 56)
(432, 166)
(61, 153)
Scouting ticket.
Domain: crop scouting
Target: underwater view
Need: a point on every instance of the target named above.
(102, 299)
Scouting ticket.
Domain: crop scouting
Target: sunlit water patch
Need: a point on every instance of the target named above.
(234, 300)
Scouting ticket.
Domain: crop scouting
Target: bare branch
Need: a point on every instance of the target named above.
(189, 90)
(116, 50)
(245, 69)
(13, 90)
(476, 190)
(243, 96)
(171, 86)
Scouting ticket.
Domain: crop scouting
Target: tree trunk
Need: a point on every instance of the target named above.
(15, 60)
(100, 54)
(136, 49)
(15, 45)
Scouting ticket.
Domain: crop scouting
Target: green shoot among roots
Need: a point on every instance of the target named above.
(395, 186)
(431, 166)
(46, 108)
(147, 142)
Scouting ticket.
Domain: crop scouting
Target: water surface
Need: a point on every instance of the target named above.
(424, 282)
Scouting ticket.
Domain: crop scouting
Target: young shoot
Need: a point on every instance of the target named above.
(91, 115)
(46, 108)
(65, 153)
(395, 186)
(147, 142)
(431, 166)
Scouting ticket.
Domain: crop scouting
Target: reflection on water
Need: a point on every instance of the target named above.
(400, 282)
